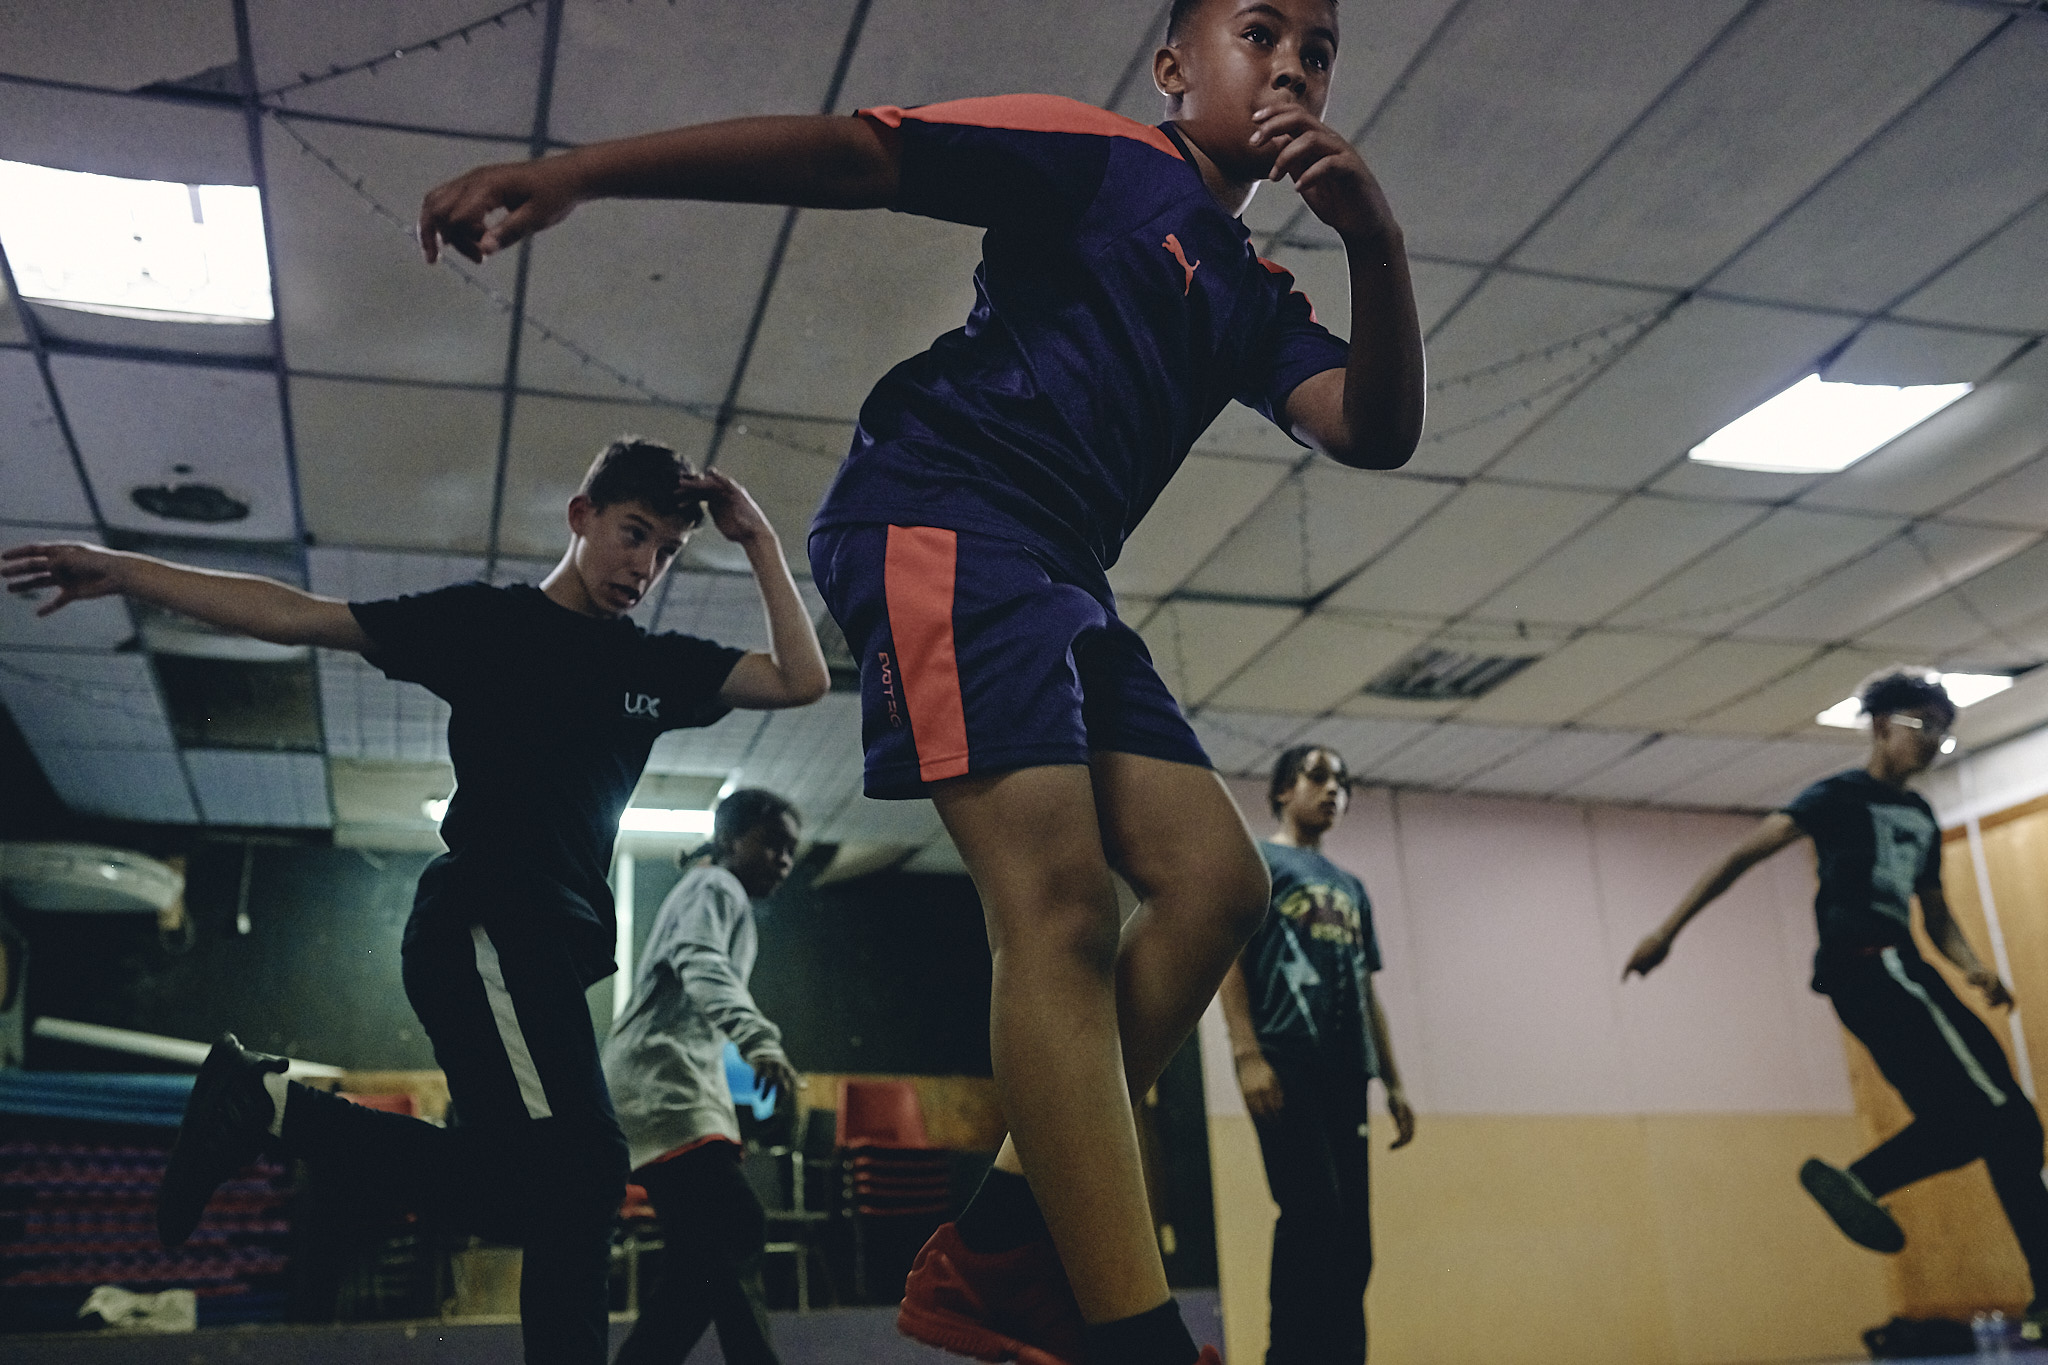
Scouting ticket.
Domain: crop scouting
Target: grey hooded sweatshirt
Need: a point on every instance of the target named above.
(665, 1058)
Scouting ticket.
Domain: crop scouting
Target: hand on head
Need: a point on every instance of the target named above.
(530, 195)
(77, 571)
(733, 510)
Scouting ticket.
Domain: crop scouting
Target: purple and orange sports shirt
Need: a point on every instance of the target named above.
(1118, 309)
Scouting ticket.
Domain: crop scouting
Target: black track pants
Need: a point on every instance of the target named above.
(712, 1232)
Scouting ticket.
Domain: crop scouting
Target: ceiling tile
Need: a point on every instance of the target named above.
(913, 52)
(659, 292)
(1468, 548)
(1897, 575)
(83, 701)
(1363, 743)
(1557, 762)
(119, 44)
(1322, 661)
(1659, 766)
(100, 623)
(1797, 87)
(1451, 752)
(262, 790)
(2003, 283)
(1314, 529)
(365, 715)
(1512, 353)
(2018, 499)
(11, 331)
(626, 69)
(1685, 380)
(1928, 631)
(187, 141)
(1618, 557)
(487, 83)
(823, 342)
(1197, 645)
(1467, 105)
(2010, 591)
(141, 423)
(1575, 677)
(1765, 777)
(1372, 706)
(787, 466)
(80, 329)
(35, 462)
(713, 749)
(1207, 497)
(1717, 674)
(906, 824)
(1911, 353)
(1244, 742)
(395, 465)
(353, 295)
(121, 784)
(1744, 576)
(1789, 705)
(725, 607)
(367, 575)
(1954, 169)
(1996, 428)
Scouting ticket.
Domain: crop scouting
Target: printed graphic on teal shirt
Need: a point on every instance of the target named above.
(1904, 835)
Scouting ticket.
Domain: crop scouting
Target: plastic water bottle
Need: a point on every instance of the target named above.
(1987, 1328)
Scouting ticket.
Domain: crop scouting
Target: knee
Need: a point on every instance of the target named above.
(1243, 890)
(1073, 924)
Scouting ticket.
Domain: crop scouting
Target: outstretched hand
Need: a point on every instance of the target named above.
(733, 509)
(1648, 954)
(530, 195)
(78, 571)
(1327, 170)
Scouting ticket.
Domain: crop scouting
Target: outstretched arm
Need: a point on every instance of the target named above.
(1774, 832)
(805, 160)
(792, 672)
(1369, 414)
(1948, 937)
(240, 602)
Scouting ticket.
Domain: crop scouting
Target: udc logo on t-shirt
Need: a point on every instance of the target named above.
(640, 704)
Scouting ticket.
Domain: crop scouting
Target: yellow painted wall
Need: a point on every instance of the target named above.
(1636, 1240)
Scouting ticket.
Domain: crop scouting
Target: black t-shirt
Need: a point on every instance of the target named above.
(1876, 845)
(1306, 967)
(553, 716)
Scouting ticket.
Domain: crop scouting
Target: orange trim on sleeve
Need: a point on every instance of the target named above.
(917, 583)
(1278, 269)
(1028, 114)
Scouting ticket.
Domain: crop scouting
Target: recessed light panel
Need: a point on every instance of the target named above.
(1964, 689)
(147, 249)
(1816, 427)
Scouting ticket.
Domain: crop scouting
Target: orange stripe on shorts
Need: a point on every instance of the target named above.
(917, 580)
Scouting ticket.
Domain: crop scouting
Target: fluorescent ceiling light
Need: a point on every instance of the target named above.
(1964, 689)
(1817, 428)
(634, 819)
(148, 249)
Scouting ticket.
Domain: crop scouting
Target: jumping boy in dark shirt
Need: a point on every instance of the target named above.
(557, 698)
(1879, 848)
(963, 549)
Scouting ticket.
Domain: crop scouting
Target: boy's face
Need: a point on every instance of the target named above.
(1321, 791)
(1904, 749)
(1235, 57)
(761, 858)
(622, 551)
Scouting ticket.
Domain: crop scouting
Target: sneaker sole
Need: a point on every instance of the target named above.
(188, 1185)
(1863, 1222)
(962, 1336)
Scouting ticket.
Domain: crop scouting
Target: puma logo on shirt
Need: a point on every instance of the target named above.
(1172, 243)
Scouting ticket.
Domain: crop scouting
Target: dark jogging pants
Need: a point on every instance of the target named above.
(713, 1231)
(1953, 1075)
(1315, 1152)
(536, 1156)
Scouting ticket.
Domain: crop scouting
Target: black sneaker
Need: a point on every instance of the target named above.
(226, 1126)
(1854, 1208)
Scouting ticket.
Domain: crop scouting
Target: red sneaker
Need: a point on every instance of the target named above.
(1011, 1305)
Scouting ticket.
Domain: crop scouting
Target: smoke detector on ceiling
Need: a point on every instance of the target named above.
(206, 503)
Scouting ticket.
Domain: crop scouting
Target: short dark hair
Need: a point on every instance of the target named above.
(1905, 689)
(635, 469)
(748, 809)
(1183, 10)
(1288, 766)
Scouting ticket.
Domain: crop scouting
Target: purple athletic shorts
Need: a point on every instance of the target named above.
(975, 657)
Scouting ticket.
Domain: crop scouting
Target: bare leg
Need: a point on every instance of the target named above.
(1176, 836)
(1031, 842)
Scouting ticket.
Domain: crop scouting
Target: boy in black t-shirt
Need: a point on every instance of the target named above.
(1878, 847)
(1309, 1036)
(556, 699)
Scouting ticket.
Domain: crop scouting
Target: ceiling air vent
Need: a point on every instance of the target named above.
(202, 502)
(1447, 675)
